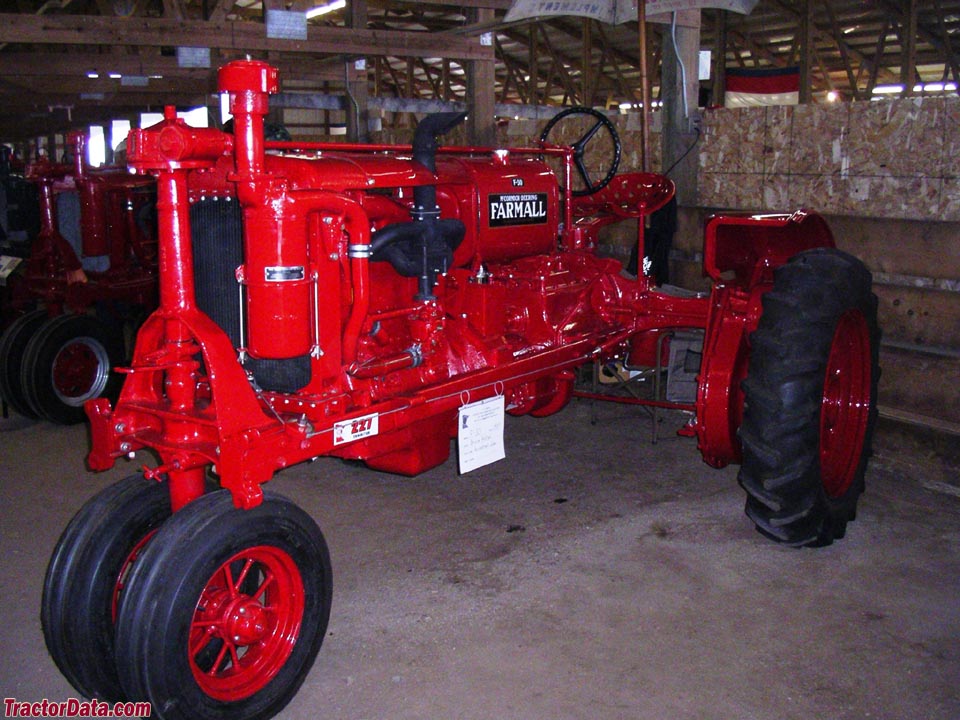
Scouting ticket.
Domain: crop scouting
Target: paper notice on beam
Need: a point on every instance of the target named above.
(615, 12)
(8, 264)
(480, 433)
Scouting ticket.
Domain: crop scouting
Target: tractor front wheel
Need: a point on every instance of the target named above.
(810, 399)
(226, 612)
(86, 576)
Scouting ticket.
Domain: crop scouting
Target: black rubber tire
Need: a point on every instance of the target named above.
(579, 147)
(166, 588)
(45, 396)
(80, 587)
(787, 493)
(13, 342)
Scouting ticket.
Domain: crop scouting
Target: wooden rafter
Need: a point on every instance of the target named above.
(950, 56)
(842, 48)
(233, 35)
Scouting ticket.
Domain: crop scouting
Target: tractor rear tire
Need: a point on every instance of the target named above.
(12, 344)
(195, 641)
(70, 360)
(86, 577)
(811, 399)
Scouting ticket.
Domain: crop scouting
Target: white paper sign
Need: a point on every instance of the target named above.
(8, 264)
(480, 433)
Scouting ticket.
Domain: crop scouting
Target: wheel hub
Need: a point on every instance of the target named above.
(80, 371)
(246, 623)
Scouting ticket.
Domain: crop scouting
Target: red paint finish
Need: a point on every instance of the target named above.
(845, 410)
(517, 305)
(246, 623)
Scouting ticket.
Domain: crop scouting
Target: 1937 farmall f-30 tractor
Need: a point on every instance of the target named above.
(346, 301)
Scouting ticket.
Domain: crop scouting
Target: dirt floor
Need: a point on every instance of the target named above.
(589, 575)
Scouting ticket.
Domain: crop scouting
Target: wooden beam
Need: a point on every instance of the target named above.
(357, 84)
(533, 65)
(173, 9)
(951, 57)
(232, 35)
(625, 90)
(219, 10)
(842, 47)
(40, 66)
(908, 48)
(481, 90)
(820, 35)
(805, 35)
(877, 58)
(559, 66)
(719, 59)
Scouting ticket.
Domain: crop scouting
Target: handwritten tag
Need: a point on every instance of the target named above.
(480, 433)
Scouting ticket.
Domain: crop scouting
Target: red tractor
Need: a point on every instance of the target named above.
(349, 301)
(90, 272)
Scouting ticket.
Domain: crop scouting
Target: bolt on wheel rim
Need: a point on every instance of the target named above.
(80, 371)
(246, 623)
(845, 407)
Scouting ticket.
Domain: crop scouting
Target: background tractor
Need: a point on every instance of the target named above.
(86, 281)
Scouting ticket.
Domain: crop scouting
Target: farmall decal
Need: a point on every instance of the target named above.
(518, 209)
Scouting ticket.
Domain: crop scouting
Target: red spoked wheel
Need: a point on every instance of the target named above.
(125, 569)
(225, 610)
(845, 409)
(810, 399)
(240, 639)
(86, 578)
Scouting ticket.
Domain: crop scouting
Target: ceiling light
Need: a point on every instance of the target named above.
(324, 9)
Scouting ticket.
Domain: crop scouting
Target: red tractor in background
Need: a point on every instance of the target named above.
(350, 301)
(90, 273)
(19, 209)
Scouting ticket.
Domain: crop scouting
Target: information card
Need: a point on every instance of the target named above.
(480, 433)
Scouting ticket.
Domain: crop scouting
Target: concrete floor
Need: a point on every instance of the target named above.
(590, 575)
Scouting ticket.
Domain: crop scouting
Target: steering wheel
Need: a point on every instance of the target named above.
(580, 147)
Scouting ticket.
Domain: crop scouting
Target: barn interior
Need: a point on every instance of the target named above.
(593, 573)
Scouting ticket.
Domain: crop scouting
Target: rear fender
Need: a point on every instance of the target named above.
(743, 250)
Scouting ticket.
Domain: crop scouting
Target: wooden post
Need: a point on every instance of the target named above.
(481, 93)
(644, 88)
(717, 94)
(356, 80)
(806, 49)
(908, 45)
